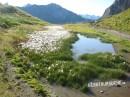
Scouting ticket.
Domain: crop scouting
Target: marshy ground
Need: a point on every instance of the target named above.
(47, 40)
(56, 72)
(62, 72)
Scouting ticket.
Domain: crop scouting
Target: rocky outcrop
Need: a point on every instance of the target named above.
(117, 7)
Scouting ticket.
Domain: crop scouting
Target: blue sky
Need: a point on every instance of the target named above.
(92, 7)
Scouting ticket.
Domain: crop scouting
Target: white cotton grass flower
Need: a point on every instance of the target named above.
(52, 65)
(60, 70)
(45, 41)
(49, 68)
(124, 63)
(56, 64)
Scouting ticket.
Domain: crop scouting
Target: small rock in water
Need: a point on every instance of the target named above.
(101, 91)
(118, 85)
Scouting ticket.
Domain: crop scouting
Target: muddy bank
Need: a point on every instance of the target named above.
(109, 91)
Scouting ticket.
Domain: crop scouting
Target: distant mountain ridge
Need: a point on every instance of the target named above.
(117, 7)
(91, 17)
(53, 13)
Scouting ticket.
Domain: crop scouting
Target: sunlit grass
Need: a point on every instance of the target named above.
(120, 22)
(86, 29)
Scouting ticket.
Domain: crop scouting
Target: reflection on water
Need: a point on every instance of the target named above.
(86, 45)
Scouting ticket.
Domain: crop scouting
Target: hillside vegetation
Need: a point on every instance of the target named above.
(120, 22)
(15, 24)
(14, 27)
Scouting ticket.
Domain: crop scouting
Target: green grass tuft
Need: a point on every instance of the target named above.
(120, 22)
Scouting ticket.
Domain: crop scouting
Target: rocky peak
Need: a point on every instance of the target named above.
(117, 7)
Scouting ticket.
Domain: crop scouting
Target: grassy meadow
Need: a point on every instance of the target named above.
(58, 67)
(120, 22)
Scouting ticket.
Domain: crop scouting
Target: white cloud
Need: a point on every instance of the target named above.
(96, 7)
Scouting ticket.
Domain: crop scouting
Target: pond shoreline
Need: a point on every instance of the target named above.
(86, 45)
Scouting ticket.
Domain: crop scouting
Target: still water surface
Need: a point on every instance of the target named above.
(85, 45)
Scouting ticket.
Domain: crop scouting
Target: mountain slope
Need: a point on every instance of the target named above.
(117, 7)
(53, 13)
(12, 16)
(14, 27)
(119, 22)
